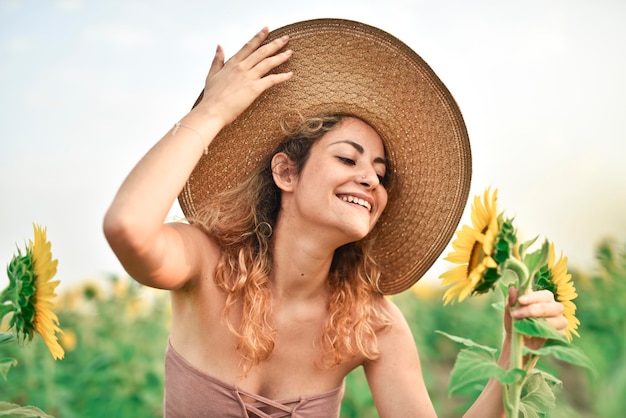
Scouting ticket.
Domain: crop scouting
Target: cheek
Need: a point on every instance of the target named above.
(382, 199)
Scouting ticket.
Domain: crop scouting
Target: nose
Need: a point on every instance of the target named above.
(369, 180)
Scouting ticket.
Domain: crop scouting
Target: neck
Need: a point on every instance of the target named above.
(301, 264)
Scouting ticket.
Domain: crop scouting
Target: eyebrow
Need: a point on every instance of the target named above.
(360, 150)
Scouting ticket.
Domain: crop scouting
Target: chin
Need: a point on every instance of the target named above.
(357, 235)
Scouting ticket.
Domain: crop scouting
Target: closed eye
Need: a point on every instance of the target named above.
(347, 161)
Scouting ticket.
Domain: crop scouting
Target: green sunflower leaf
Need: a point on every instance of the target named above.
(537, 396)
(468, 343)
(538, 327)
(534, 261)
(6, 337)
(5, 365)
(474, 367)
(565, 352)
(523, 247)
(498, 306)
(12, 410)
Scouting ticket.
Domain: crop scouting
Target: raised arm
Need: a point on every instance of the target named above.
(168, 255)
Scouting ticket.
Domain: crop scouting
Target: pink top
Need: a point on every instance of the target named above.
(189, 392)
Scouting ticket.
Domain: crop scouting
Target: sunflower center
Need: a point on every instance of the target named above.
(476, 256)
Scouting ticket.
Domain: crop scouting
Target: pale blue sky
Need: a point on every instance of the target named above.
(88, 86)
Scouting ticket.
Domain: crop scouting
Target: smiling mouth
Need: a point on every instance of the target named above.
(357, 201)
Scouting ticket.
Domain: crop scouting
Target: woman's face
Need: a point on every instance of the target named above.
(340, 185)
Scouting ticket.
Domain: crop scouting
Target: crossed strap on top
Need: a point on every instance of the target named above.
(190, 391)
(277, 410)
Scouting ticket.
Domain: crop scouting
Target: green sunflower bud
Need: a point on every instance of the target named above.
(20, 294)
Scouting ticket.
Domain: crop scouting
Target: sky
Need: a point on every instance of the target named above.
(88, 86)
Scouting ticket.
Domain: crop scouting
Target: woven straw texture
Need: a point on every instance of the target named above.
(349, 67)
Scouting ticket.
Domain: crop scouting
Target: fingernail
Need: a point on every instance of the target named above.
(284, 38)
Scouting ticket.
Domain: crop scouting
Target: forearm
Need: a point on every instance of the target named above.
(490, 403)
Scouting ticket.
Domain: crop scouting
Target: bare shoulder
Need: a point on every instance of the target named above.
(395, 378)
(395, 342)
(399, 327)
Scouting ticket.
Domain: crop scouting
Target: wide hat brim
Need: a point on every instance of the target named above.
(342, 66)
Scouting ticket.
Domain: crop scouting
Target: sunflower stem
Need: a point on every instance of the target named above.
(513, 391)
(522, 273)
(531, 359)
(508, 407)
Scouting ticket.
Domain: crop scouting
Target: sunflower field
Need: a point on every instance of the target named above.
(115, 333)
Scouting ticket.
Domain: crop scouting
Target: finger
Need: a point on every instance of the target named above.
(533, 343)
(264, 52)
(250, 46)
(272, 80)
(538, 310)
(272, 62)
(538, 296)
(218, 61)
(560, 323)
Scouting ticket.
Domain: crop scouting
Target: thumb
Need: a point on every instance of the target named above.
(512, 300)
(512, 296)
(218, 61)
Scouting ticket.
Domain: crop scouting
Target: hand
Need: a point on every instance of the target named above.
(538, 304)
(232, 86)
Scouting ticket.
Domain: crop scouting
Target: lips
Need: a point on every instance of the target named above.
(357, 201)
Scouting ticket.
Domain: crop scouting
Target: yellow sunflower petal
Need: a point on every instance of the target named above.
(456, 274)
(46, 322)
(565, 291)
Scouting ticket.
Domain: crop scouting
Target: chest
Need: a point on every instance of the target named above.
(293, 368)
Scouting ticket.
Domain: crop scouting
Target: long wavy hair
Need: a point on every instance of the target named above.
(241, 221)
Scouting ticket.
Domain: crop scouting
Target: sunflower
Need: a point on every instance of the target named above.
(478, 249)
(30, 293)
(555, 278)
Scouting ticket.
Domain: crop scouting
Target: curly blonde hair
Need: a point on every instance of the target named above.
(241, 221)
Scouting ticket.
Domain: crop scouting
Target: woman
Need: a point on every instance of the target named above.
(278, 281)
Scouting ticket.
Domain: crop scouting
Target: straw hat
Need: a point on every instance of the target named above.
(343, 66)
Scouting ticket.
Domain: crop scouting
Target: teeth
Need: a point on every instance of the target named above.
(360, 202)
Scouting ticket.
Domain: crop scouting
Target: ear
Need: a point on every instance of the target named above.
(284, 172)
